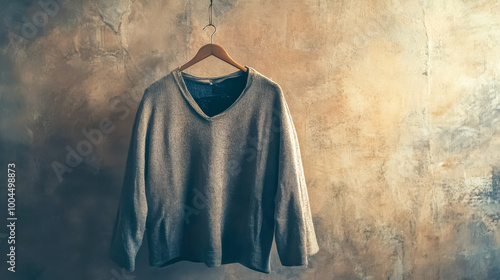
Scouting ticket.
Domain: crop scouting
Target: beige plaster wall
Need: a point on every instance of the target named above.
(396, 106)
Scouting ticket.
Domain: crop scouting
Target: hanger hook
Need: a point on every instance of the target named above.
(210, 22)
(215, 30)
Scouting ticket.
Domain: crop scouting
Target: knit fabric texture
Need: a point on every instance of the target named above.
(213, 174)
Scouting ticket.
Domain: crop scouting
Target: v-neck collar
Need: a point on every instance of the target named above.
(178, 75)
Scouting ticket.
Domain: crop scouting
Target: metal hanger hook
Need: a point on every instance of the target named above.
(210, 22)
(215, 30)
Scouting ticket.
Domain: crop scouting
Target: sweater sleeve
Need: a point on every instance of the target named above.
(132, 211)
(294, 231)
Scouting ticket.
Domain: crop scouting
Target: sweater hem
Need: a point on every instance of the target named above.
(177, 259)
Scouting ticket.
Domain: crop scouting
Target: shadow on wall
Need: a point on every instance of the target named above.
(26, 20)
(69, 140)
(73, 217)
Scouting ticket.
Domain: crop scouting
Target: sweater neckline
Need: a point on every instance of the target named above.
(209, 80)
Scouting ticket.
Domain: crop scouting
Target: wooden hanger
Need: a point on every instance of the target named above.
(212, 49)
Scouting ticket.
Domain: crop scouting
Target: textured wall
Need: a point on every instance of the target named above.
(396, 106)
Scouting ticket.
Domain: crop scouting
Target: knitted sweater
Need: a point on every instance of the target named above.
(213, 174)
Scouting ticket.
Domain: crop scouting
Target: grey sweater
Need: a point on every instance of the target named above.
(213, 173)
